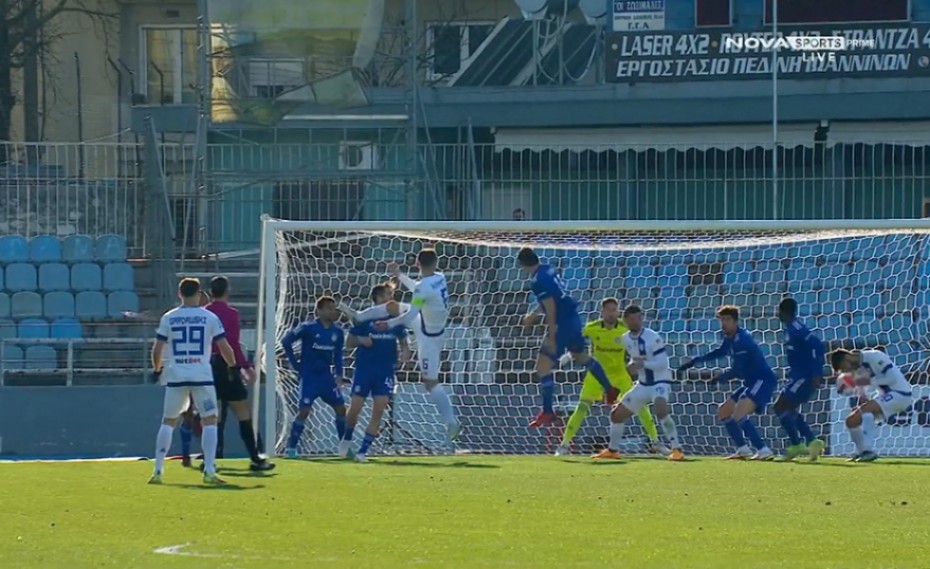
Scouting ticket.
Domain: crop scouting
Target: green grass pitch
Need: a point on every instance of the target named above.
(470, 512)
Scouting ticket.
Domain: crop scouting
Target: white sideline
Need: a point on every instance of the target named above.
(177, 550)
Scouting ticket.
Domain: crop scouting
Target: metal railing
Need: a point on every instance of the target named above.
(69, 363)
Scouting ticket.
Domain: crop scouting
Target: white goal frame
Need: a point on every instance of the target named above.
(268, 289)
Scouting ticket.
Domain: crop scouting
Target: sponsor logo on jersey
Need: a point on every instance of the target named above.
(323, 347)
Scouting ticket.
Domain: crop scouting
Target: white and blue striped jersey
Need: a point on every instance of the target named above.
(647, 344)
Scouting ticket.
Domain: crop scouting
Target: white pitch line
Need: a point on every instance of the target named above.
(177, 550)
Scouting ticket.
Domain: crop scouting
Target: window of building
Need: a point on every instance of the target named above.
(268, 78)
(838, 11)
(169, 64)
(709, 13)
(450, 44)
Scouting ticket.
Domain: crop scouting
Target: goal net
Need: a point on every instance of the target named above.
(856, 288)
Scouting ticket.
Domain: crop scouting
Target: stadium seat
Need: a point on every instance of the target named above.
(120, 302)
(119, 276)
(54, 276)
(11, 357)
(26, 305)
(40, 358)
(20, 277)
(66, 329)
(45, 249)
(110, 249)
(77, 249)
(86, 276)
(13, 249)
(4, 305)
(32, 328)
(90, 305)
(58, 305)
(7, 329)
(737, 273)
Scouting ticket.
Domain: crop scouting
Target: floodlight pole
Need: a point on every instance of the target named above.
(775, 110)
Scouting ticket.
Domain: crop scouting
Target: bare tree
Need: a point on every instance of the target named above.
(26, 35)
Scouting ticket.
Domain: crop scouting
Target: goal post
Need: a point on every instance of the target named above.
(859, 283)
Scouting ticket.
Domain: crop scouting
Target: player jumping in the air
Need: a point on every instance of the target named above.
(377, 356)
(428, 315)
(759, 383)
(805, 372)
(181, 353)
(320, 367)
(607, 346)
(872, 368)
(564, 331)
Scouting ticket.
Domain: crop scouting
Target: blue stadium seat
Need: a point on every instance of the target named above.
(66, 329)
(13, 249)
(119, 276)
(54, 276)
(641, 282)
(737, 273)
(7, 329)
(672, 299)
(26, 305)
(86, 276)
(58, 305)
(4, 305)
(770, 253)
(77, 249)
(32, 328)
(45, 249)
(640, 271)
(120, 302)
(21, 276)
(40, 358)
(110, 249)
(90, 305)
(11, 357)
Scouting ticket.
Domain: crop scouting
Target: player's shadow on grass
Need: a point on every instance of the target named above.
(222, 488)
(248, 474)
(430, 464)
(842, 464)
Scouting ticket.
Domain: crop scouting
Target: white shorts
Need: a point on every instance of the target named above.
(178, 399)
(642, 395)
(429, 354)
(893, 402)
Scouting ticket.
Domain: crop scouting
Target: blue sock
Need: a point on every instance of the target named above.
(297, 429)
(735, 433)
(804, 429)
(366, 443)
(790, 425)
(347, 436)
(547, 387)
(754, 437)
(340, 426)
(598, 372)
(187, 435)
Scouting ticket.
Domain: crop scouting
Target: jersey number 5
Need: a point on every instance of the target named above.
(188, 340)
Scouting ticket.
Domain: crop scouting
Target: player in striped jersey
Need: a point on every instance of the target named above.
(649, 362)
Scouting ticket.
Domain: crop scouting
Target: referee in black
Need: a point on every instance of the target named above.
(230, 387)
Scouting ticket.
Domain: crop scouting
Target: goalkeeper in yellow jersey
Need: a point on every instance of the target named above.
(605, 336)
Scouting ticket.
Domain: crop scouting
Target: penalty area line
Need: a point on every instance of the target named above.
(180, 550)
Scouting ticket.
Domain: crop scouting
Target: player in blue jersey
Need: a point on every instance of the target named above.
(377, 355)
(319, 367)
(564, 331)
(806, 355)
(747, 363)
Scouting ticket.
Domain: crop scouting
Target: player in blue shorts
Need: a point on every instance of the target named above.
(806, 355)
(377, 356)
(563, 332)
(320, 367)
(747, 363)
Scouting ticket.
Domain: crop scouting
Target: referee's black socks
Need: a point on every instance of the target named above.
(248, 438)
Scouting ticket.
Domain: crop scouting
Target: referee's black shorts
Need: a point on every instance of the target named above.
(228, 382)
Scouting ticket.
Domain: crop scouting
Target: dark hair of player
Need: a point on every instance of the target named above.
(728, 310)
(788, 306)
(428, 258)
(189, 288)
(632, 309)
(380, 289)
(610, 300)
(219, 286)
(837, 357)
(527, 257)
(324, 301)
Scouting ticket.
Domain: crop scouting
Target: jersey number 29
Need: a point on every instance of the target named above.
(188, 340)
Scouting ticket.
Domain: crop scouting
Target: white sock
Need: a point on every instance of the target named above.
(616, 435)
(443, 404)
(858, 437)
(671, 431)
(162, 444)
(376, 312)
(208, 440)
(744, 450)
(868, 431)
